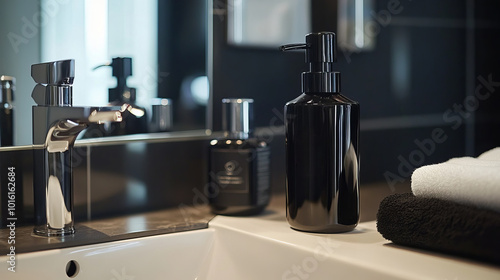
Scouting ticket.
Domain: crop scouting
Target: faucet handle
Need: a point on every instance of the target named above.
(61, 72)
(48, 96)
(54, 82)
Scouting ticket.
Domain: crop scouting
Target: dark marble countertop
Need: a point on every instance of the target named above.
(110, 229)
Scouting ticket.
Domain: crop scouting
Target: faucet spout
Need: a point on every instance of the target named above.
(62, 134)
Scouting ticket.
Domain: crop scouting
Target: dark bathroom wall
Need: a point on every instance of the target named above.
(487, 68)
(411, 87)
(182, 55)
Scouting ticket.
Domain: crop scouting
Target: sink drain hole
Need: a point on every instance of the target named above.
(72, 268)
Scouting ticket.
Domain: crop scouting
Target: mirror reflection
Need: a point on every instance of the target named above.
(156, 52)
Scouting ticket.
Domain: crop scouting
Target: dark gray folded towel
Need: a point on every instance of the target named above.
(440, 225)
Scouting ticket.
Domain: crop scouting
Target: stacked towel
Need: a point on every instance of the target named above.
(454, 209)
(440, 225)
(466, 180)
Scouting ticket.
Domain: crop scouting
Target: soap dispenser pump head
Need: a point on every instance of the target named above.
(321, 53)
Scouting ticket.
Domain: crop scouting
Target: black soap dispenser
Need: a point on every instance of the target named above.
(239, 179)
(135, 122)
(322, 154)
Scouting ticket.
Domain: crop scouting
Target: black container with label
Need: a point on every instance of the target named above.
(239, 179)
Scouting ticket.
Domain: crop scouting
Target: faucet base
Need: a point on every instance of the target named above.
(46, 231)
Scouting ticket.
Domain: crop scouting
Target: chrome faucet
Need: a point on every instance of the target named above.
(56, 124)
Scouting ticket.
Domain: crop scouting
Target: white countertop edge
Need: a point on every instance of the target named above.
(364, 247)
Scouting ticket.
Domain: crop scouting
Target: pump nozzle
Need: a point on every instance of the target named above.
(320, 54)
(102, 65)
(290, 47)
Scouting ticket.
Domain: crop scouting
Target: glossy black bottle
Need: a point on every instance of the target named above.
(322, 135)
(239, 179)
(7, 88)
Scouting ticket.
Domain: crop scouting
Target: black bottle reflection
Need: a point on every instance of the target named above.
(6, 125)
(322, 162)
(7, 88)
(135, 121)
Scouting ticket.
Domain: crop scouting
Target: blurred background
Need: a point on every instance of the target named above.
(426, 73)
(427, 78)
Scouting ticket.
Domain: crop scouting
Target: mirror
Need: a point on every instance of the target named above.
(167, 41)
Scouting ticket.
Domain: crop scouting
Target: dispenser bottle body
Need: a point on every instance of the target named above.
(239, 176)
(322, 135)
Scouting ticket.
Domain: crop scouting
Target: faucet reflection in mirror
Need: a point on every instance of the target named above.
(56, 124)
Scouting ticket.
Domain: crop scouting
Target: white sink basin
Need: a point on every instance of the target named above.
(169, 256)
(246, 248)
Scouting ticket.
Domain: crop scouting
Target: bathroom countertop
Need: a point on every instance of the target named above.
(239, 245)
(362, 248)
(163, 221)
(110, 229)
(370, 196)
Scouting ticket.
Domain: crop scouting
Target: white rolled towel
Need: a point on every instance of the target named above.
(465, 180)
